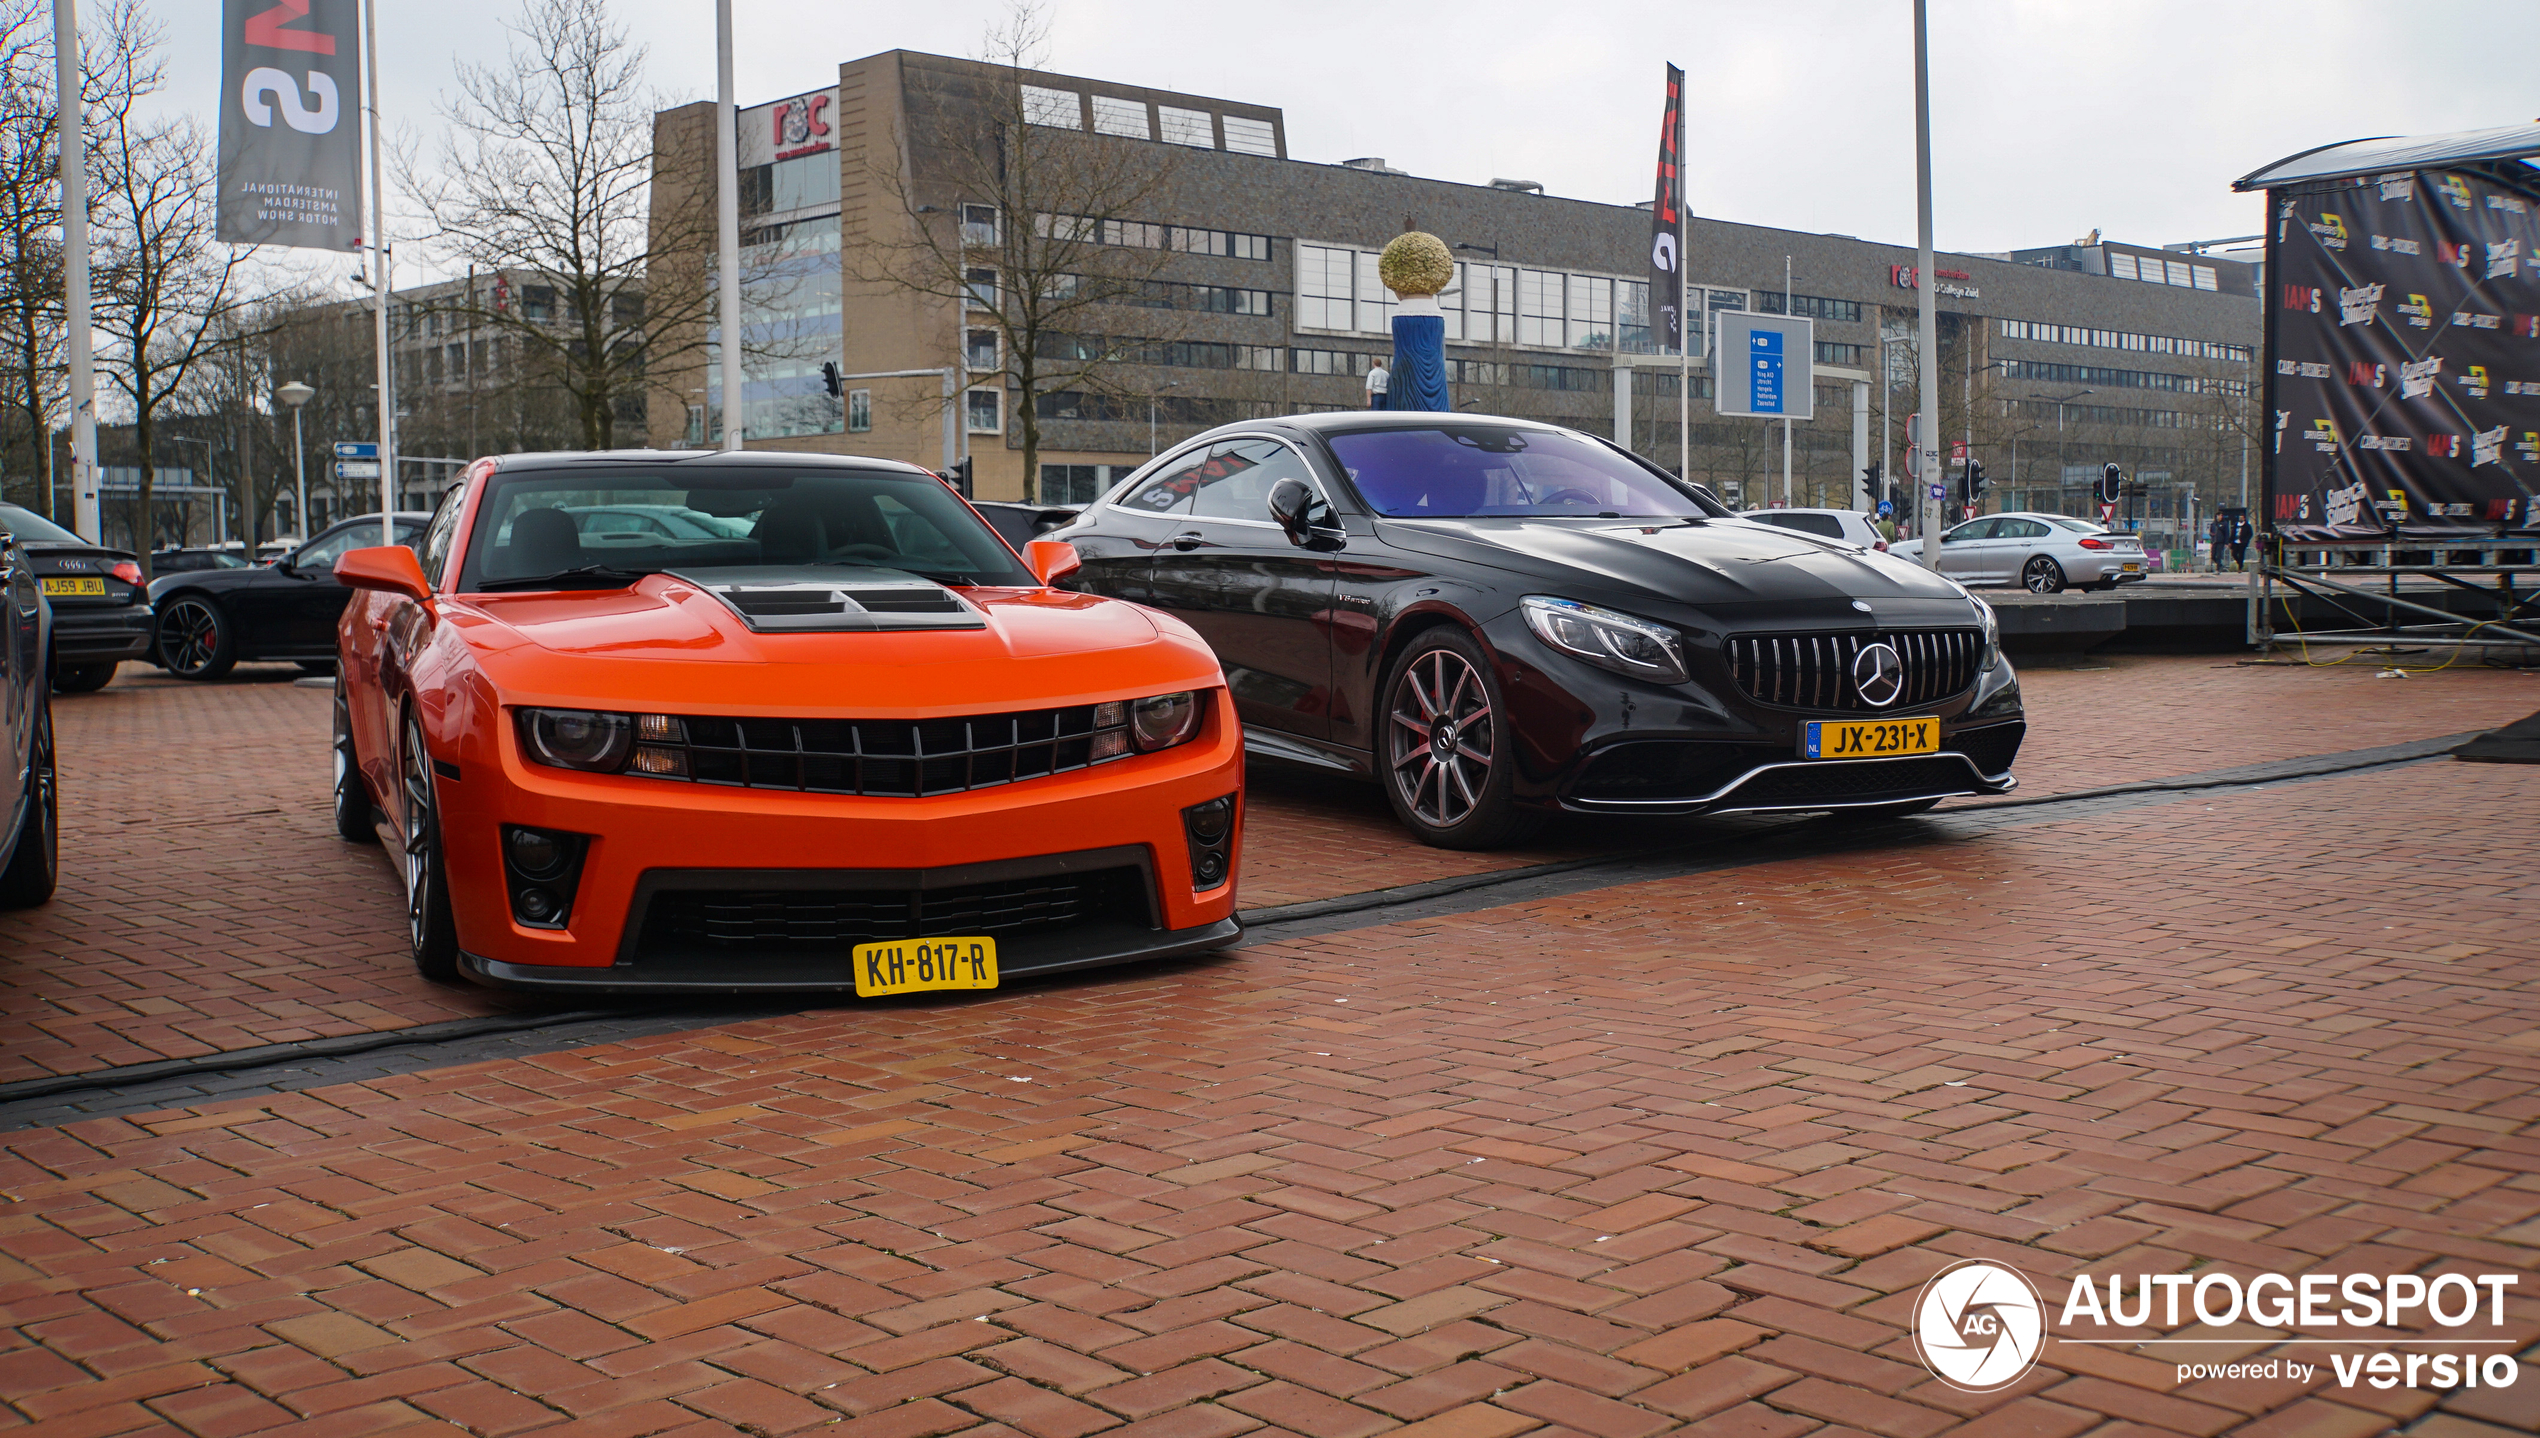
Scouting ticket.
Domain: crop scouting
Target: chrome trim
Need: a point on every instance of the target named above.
(2002, 783)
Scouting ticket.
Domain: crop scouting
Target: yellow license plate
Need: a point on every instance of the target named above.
(75, 586)
(916, 966)
(1869, 738)
(2133, 567)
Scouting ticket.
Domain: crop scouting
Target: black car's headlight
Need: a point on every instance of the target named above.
(1992, 633)
(1641, 648)
(582, 739)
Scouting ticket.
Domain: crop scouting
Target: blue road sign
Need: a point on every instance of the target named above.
(1940, 491)
(1886, 509)
(348, 449)
(1764, 354)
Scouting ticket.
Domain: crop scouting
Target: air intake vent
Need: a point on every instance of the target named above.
(1814, 671)
(812, 599)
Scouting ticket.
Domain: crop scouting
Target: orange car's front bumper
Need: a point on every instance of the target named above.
(712, 888)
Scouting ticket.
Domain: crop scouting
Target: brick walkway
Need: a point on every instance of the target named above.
(207, 905)
(1665, 1158)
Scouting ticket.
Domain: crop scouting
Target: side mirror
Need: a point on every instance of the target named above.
(1292, 505)
(388, 568)
(1052, 559)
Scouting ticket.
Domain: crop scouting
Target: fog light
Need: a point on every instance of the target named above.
(1209, 822)
(1209, 870)
(1210, 829)
(536, 905)
(535, 854)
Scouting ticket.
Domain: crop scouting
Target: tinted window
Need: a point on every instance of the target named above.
(1461, 470)
(322, 552)
(1235, 482)
(2018, 529)
(1976, 529)
(26, 524)
(437, 536)
(1823, 525)
(1170, 491)
(526, 529)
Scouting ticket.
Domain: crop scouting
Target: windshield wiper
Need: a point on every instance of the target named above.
(610, 577)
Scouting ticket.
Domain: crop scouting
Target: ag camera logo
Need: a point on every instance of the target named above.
(1979, 1326)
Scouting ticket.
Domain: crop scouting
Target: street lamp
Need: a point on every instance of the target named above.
(2063, 459)
(296, 394)
(1152, 396)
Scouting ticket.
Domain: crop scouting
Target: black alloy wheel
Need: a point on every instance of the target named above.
(430, 929)
(195, 641)
(1448, 750)
(2043, 576)
(82, 678)
(36, 863)
(352, 796)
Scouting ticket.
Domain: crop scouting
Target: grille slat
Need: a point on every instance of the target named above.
(886, 757)
(1814, 671)
(827, 920)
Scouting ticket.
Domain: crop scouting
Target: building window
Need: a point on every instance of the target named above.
(985, 409)
(1247, 136)
(982, 287)
(978, 224)
(979, 351)
(1251, 247)
(537, 303)
(1322, 288)
(1815, 307)
(859, 411)
(1830, 352)
(1114, 116)
(1375, 302)
(696, 432)
(1538, 307)
(1339, 362)
(1591, 323)
(1187, 127)
(1058, 109)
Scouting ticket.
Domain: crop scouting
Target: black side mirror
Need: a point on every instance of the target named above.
(1292, 503)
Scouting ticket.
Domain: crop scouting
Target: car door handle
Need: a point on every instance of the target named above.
(1188, 539)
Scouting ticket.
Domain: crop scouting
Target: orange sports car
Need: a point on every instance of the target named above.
(734, 722)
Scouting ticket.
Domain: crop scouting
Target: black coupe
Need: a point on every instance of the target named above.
(1498, 619)
(30, 810)
(100, 617)
(209, 619)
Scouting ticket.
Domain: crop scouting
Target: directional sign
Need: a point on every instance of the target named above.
(349, 449)
(357, 469)
(1765, 366)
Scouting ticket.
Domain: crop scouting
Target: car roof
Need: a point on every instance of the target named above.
(1796, 509)
(746, 458)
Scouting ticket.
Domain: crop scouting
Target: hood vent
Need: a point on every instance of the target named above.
(801, 599)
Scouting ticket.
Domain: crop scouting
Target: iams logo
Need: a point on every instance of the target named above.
(2455, 255)
(2358, 305)
(2364, 374)
(2419, 310)
(2527, 327)
(1979, 1326)
(2455, 191)
(2331, 230)
(2304, 298)
(2443, 446)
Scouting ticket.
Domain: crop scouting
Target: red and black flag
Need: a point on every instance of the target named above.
(1667, 224)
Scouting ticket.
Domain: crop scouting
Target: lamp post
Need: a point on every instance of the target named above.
(1152, 396)
(296, 394)
(2063, 460)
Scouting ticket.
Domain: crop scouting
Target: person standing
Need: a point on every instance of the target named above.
(2241, 533)
(2219, 532)
(1379, 379)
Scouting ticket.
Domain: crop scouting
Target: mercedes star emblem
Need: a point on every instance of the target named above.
(1878, 674)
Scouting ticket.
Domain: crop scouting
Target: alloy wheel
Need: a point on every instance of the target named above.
(415, 832)
(1440, 738)
(2043, 576)
(189, 635)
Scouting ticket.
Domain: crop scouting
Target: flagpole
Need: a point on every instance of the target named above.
(380, 287)
(1927, 462)
(727, 224)
(71, 125)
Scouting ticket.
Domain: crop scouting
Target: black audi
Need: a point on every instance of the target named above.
(1498, 619)
(211, 618)
(101, 616)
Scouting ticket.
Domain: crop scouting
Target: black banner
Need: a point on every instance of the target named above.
(2403, 357)
(290, 126)
(1667, 224)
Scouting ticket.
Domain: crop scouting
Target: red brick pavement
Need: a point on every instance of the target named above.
(1665, 1158)
(207, 905)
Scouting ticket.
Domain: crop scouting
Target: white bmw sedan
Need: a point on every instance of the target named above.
(2041, 553)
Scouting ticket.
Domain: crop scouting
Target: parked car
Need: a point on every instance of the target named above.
(193, 561)
(1020, 524)
(648, 523)
(30, 802)
(863, 747)
(210, 619)
(101, 614)
(2042, 553)
(1497, 619)
(1850, 526)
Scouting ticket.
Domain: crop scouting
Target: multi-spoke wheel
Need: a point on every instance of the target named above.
(82, 678)
(429, 926)
(2043, 576)
(195, 640)
(36, 860)
(352, 796)
(1447, 747)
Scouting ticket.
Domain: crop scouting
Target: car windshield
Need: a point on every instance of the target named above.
(27, 524)
(603, 525)
(1457, 471)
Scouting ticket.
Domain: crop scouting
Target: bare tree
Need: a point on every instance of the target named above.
(1066, 236)
(545, 181)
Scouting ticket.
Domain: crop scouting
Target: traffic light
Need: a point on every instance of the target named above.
(1874, 481)
(960, 476)
(829, 379)
(2111, 480)
(1973, 484)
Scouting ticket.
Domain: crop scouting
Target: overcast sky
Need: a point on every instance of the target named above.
(2051, 117)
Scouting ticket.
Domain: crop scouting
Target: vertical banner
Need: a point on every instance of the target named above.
(1666, 224)
(290, 124)
(2403, 357)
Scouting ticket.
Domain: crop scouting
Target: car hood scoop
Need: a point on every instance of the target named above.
(789, 599)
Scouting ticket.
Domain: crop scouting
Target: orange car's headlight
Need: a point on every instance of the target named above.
(584, 739)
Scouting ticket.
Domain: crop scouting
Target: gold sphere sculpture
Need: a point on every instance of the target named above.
(1416, 263)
